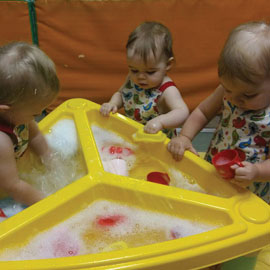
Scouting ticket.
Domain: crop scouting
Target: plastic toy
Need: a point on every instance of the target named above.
(224, 160)
(242, 219)
(158, 177)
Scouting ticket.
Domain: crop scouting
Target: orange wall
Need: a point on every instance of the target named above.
(86, 39)
(15, 22)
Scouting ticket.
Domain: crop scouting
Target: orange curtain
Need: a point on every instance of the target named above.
(86, 39)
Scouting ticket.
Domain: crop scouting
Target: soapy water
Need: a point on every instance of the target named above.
(105, 226)
(112, 147)
(184, 182)
(66, 163)
(59, 174)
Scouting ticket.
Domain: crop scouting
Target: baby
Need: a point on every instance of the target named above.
(244, 98)
(148, 95)
(28, 84)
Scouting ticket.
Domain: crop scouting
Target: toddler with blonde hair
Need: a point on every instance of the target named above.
(28, 84)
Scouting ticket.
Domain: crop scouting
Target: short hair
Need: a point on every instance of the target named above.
(25, 71)
(246, 53)
(151, 37)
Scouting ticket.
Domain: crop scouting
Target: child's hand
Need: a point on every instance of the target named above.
(106, 108)
(46, 159)
(245, 175)
(153, 126)
(178, 145)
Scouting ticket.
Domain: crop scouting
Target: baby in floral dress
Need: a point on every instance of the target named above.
(148, 95)
(243, 97)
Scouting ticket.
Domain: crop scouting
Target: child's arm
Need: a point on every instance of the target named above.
(9, 179)
(38, 143)
(115, 103)
(174, 111)
(206, 110)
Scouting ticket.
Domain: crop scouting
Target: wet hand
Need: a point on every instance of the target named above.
(106, 108)
(178, 145)
(153, 126)
(47, 159)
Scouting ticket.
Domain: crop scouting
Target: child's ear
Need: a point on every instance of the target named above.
(4, 107)
(170, 63)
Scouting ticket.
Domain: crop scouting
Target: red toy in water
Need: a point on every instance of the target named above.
(110, 221)
(2, 214)
(176, 233)
(117, 151)
(64, 245)
(159, 178)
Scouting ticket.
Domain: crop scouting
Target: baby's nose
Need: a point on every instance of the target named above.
(141, 75)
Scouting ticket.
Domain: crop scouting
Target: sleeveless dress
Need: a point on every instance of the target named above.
(19, 135)
(249, 133)
(141, 104)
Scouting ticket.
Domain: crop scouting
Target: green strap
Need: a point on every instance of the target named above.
(33, 20)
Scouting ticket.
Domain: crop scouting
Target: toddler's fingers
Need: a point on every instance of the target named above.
(176, 151)
(150, 130)
(114, 109)
(103, 110)
(193, 150)
(152, 127)
(234, 167)
(107, 110)
(177, 157)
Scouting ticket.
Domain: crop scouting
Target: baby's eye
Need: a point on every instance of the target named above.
(134, 70)
(250, 96)
(151, 72)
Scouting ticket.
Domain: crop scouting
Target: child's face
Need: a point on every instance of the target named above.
(246, 96)
(25, 112)
(147, 75)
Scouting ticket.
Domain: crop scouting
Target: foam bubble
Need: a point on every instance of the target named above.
(66, 164)
(63, 138)
(105, 226)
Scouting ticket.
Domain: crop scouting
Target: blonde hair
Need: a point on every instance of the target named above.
(25, 72)
(246, 53)
(151, 37)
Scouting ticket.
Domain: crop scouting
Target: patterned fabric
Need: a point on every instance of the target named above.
(249, 133)
(141, 105)
(20, 137)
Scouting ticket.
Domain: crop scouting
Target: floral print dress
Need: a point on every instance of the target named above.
(20, 137)
(141, 105)
(249, 133)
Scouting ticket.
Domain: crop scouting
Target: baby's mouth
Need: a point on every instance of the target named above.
(143, 85)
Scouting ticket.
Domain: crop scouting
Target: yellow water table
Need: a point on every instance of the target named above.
(240, 221)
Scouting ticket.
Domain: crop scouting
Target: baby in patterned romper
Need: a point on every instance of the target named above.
(28, 84)
(148, 95)
(243, 96)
